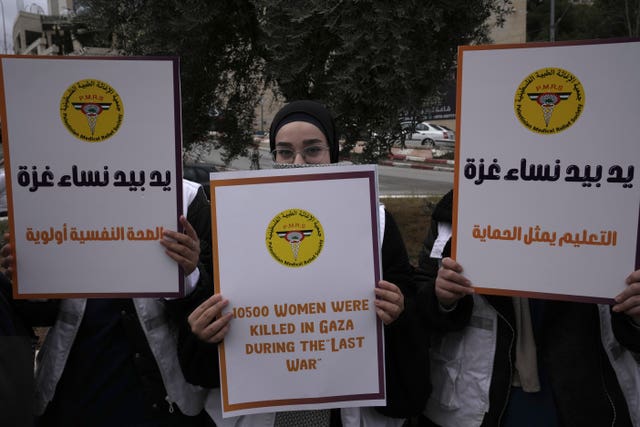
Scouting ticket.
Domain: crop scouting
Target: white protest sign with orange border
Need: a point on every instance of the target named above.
(296, 253)
(93, 167)
(547, 197)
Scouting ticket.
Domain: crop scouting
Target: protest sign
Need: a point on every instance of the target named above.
(296, 252)
(546, 196)
(93, 166)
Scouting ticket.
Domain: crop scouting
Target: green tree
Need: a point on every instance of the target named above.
(599, 20)
(572, 21)
(370, 61)
(618, 18)
(218, 46)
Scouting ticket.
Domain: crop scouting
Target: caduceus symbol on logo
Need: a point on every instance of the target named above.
(92, 111)
(548, 101)
(294, 238)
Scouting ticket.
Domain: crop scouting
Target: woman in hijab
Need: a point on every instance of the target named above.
(303, 134)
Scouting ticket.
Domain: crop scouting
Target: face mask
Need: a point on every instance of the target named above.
(301, 165)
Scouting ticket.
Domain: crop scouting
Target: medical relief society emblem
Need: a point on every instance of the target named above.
(549, 100)
(91, 110)
(295, 238)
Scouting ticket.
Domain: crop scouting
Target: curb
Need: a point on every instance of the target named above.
(427, 165)
(421, 159)
(402, 160)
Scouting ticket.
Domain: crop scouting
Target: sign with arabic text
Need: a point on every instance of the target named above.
(547, 198)
(93, 170)
(296, 253)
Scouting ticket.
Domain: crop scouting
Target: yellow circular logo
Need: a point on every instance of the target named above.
(91, 110)
(295, 238)
(549, 100)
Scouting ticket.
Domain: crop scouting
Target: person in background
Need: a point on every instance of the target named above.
(507, 361)
(303, 134)
(113, 362)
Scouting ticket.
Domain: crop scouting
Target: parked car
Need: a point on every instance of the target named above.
(199, 172)
(451, 132)
(429, 134)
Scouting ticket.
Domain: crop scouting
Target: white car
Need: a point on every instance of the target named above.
(430, 135)
(451, 132)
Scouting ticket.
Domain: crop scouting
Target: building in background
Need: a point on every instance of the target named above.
(514, 29)
(60, 7)
(37, 33)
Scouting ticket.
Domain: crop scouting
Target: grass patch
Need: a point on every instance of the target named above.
(413, 216)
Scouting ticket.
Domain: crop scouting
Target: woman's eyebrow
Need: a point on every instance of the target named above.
(312, 141)
(304, 142)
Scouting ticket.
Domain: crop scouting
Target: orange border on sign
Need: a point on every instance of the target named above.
(9, 182)
(228, 407)
(454, 224)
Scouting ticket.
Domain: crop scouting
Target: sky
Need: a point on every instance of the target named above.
(10, 12)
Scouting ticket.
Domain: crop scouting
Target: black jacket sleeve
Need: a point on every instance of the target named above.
(625, 332)
(27, 312)
(198, 360)
(406, 341)
(199, 216)
(429, 308)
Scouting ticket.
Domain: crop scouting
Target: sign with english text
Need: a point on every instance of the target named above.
(297, 254)
(547, 197)
(92, 152)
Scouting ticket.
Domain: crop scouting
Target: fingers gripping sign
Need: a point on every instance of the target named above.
(451, 285)
(207, 321)
(389, 302)
(628, 301)
(184, 248)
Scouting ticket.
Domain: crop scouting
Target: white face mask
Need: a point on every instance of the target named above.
(300, 165)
